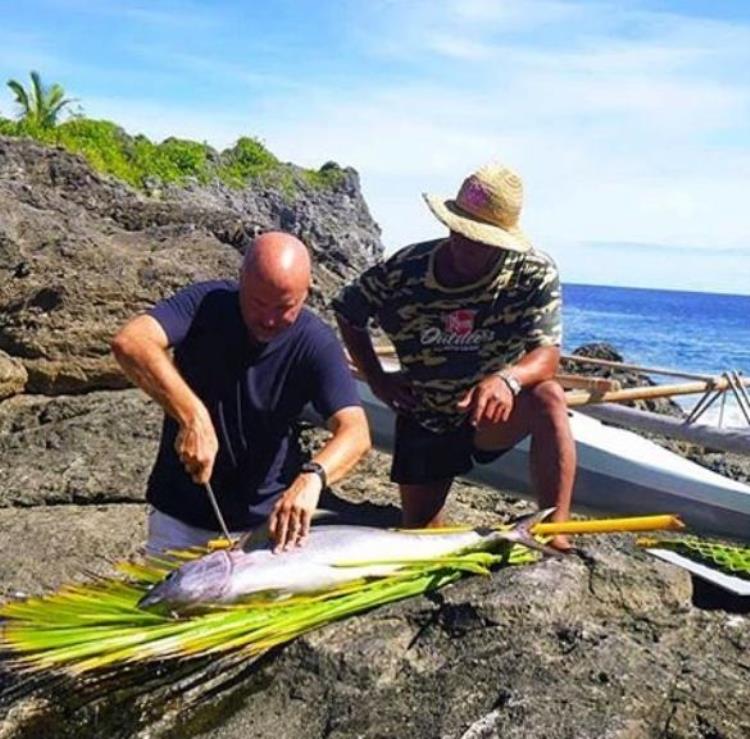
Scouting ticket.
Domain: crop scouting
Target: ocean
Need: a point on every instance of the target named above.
(695, 332)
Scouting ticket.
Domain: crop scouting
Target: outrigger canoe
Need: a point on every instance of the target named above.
(618, 472)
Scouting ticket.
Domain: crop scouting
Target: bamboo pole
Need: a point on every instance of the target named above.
(635, 367)
(583, 396)
(580, 382)
(567, 380)
(387, 350)
(577, 397)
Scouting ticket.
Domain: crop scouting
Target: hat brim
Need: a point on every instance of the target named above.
(456, 219)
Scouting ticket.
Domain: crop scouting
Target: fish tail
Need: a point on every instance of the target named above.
(522, 532)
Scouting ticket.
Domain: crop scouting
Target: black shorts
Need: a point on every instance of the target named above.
(422, 456)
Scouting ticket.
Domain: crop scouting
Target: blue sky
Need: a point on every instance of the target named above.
(628, 121)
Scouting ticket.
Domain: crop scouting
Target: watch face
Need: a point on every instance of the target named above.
(512, 382)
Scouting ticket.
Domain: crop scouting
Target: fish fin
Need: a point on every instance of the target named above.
(254, 539)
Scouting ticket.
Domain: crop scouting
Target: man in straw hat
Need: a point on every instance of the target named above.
(475, 320)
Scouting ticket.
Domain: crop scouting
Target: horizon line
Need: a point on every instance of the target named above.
(655, 289)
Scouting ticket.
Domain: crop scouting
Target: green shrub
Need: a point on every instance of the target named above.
(328, 176)
(247, 159)
(105, 146)
(189, 158)
(8, 127)
(137, 159)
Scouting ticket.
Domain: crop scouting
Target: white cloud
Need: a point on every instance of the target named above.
(647, 185)
(460, 48)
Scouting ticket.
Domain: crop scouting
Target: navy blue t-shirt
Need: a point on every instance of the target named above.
(254, 392)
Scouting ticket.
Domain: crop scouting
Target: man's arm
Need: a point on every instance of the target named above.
(354, 306)
(140, 347)
(536, 366)
(491, 399)
(359, 344)
(391, 387)
(290, 520)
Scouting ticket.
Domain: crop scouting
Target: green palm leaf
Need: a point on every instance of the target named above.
(40, 106)
(97, 624)
(21, 96)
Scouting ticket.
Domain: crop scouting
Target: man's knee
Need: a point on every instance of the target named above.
(548, 398)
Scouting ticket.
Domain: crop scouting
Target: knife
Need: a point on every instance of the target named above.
(217, 511)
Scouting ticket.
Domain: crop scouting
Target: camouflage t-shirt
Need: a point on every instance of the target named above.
(448, 338)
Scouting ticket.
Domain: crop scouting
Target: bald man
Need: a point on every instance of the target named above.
(247, 358)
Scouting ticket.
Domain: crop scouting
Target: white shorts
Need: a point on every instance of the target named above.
(166, 532)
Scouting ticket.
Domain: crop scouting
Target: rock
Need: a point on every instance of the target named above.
(13, 376)
(93, 448)
(44, 548)
(80, 254)
(599, 350)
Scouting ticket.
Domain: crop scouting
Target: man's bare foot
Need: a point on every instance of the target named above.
(561, 543)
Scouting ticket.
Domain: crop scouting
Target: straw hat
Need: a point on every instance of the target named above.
(486, 208)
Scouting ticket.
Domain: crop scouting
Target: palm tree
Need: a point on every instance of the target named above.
(40, 106)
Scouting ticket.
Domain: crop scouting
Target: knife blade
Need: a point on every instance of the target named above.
(217, 511)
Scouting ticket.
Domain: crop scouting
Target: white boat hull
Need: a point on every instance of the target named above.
(618, 472)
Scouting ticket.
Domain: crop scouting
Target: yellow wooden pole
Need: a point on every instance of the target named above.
(610, 525)
(660, 522)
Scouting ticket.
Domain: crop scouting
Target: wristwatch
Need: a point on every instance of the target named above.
(316, 469)
(513, 383)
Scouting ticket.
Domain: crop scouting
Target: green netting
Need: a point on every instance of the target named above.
(729, 559)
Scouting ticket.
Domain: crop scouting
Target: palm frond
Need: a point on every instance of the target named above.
(39, 105)
(21, 96)
(37, 91)
(98, 624)
(53, 95)
(54, 103)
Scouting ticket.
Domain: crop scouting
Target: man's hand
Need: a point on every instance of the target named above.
(196, 446)
(289, 523)
(394, 390)
(489, 401)
(141, 348)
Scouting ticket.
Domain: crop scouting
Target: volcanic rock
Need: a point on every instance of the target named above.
(81, 253)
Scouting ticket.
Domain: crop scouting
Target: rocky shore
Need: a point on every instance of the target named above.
(604, 643)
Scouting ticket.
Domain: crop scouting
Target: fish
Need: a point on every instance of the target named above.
(332, 556)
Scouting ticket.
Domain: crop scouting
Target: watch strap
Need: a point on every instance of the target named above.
(513, 383)
(316, 469)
